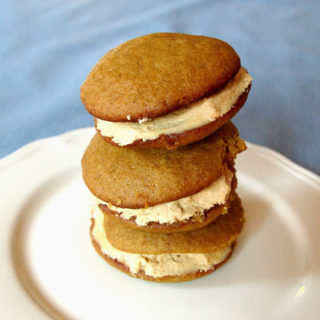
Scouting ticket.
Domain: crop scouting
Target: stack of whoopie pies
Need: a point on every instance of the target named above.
(161, 165)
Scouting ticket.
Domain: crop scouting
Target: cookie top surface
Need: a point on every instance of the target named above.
(138, 178)
(156, 74)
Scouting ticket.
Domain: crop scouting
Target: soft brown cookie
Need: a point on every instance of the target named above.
(222, 232)
(156, 74)
(138, 178)
(165, 90)
(172, 266)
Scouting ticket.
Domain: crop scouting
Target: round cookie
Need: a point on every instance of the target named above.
(222, 232)
(156, 268)
(165, 90)
(139, 178)
(156, 74)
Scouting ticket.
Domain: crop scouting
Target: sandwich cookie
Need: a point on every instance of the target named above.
(165, 90)
(168, 256)
(161, 190)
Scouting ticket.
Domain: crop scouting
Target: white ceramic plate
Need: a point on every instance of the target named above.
(49, 268)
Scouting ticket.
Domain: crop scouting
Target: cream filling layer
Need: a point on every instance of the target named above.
(156, 265)
(182, 209)
(194, 116)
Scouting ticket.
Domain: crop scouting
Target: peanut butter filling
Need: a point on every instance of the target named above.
(182, 209)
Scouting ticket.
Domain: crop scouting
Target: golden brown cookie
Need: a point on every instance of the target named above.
(165, 90)
(222, 232)
(156, 74)
(138, 178)
(171, 266)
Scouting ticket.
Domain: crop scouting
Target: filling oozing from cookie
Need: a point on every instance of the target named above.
(182, 209)
(193, 116)
(155, 265)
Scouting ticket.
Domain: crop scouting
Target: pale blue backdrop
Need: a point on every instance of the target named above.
(48, 47)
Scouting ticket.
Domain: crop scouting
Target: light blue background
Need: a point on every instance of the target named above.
(48, 47)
